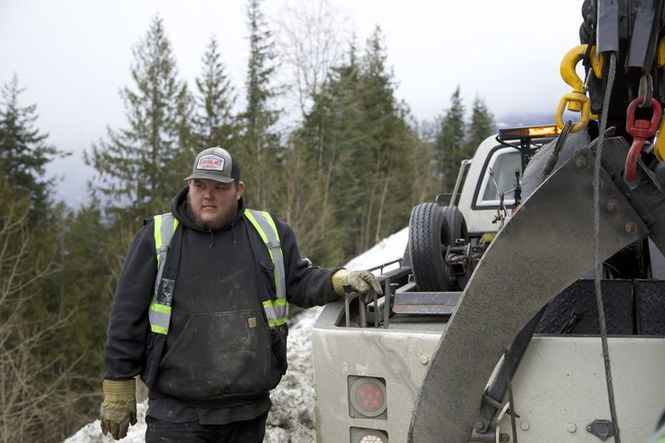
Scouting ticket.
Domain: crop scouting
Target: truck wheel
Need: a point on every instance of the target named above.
(457, 230)
(428, 237)
(456, 223)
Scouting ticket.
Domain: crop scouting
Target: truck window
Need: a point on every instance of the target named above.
(500, 171)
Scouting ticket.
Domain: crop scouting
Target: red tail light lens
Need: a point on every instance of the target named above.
(368, 396)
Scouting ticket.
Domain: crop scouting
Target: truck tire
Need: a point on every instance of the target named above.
(456, 223)
(428, 237)
(456, 231)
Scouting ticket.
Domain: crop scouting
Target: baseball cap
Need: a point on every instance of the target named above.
(215, 164)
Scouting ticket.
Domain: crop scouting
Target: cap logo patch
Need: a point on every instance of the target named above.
(210, 162)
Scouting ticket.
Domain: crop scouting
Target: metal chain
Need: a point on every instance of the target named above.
(596, 244)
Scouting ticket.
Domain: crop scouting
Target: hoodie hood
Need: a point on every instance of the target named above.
(180, 211)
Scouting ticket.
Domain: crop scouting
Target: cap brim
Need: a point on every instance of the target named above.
(215, 177)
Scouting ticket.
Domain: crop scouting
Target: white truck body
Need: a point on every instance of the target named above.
(559, 387)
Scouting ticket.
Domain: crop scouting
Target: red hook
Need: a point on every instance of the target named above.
(640, 130)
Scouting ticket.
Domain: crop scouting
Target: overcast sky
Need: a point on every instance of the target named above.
(73, 56)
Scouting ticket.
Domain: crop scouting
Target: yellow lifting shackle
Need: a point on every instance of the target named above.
(581, 102)
(577, 101)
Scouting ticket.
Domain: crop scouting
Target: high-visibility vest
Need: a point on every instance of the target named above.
(159, 312)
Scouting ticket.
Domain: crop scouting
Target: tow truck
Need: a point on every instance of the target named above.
(530, 306)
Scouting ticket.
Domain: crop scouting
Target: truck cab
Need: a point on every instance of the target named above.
(371, 357)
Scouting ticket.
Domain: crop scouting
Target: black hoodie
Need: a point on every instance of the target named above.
(217, 354)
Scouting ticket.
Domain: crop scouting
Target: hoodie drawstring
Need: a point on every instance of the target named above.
(212, 239)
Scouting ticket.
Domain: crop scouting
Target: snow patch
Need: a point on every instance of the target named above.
(387, 250)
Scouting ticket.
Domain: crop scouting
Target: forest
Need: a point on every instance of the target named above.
(344, 173)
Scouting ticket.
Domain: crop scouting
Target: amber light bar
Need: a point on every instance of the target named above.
(529, 132)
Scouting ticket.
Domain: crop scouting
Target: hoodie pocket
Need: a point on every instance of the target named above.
(221, 354)
(268, 268)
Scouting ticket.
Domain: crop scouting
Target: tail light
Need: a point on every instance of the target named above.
(362, 435)
(367, 397)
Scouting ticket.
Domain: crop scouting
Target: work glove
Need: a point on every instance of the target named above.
(118, 409)
(358, 281)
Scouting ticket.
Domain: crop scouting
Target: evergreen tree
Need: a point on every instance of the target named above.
(188, 139)
(386, 145)
(258, 155)
(24, 151)
(333, 132)
(422, 164)
(140, 167)
(479, 128)
(214, 122)
(366, 151)
(449, 143)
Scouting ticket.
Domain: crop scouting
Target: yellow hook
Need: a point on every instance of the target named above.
(570, 61)
(577, 101)
(597, 62)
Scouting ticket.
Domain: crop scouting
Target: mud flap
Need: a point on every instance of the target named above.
(545, 247)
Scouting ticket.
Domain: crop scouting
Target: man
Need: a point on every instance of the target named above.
(199, 312)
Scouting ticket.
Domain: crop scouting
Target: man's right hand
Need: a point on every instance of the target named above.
(118, 409)
(362, 282)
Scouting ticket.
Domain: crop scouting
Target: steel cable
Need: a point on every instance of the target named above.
(596, 245)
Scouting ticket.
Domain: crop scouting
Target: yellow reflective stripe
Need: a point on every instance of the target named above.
(159, 329)
(277, 303)
(158, 236)
(270, 308)
(265, 225)
(159, 316)
(258, 228)
(278, 322)
(164, 309)
(159, 241)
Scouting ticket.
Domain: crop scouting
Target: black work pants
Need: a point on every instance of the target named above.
(250, 431)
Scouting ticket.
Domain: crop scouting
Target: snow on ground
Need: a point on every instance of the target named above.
(291, 419)
(385, 251)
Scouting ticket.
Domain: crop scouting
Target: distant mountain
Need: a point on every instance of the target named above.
(524, 119)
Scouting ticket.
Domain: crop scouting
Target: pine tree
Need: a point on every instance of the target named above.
(258, 155)
(386, 145)
(449, 143)
(359, 134)
(332, 132)
(139, 168)
(214, 122)
(479, 128)
(24, 151)
(188, 140)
